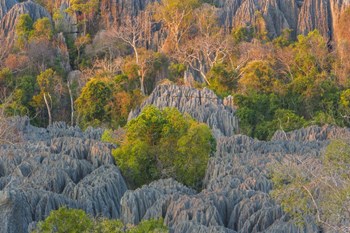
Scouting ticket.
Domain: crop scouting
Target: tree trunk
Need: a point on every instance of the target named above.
(48, 109)
(71, 104)
(136, 54)
(142, 80)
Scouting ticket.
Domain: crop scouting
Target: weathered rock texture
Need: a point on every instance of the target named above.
(54, 167)
(63, 166)
(5, 6)
(302, 16)
(203, 105)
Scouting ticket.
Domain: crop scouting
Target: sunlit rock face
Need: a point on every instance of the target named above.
(302, 16)
(203, 105)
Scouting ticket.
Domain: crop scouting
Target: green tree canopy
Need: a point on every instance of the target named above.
(66, 220)
(164, 143)
(24, 27)
(92, 104)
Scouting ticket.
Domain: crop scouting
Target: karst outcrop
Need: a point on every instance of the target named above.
(203, 105)
(64, 166)
(54, 167)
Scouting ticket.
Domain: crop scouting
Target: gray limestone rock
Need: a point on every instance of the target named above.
(5, 6)
(54, 167)
(203, 105)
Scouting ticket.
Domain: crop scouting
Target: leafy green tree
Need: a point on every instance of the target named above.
(149, 226)
(7, 83)
(317, 188)
(241, 34)
(24, 27)
(163, 143)
(283, 119)
(108, 226)
(258, 76)
(256, 109)
(83, 9)
(92, 104)
(42, 30)
(47, 81)
(65, 220)
(222, 80)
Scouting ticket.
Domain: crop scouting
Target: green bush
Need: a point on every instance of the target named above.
(66, 220)
(162, 144)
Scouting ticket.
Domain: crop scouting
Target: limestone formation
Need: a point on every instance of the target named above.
(64, 166)
(5, 6)
(54, 167)
(302, 16)
(203, 105)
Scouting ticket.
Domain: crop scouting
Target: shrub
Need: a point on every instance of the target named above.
(162, 144)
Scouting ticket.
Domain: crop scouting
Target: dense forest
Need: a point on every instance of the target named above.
(93, 64)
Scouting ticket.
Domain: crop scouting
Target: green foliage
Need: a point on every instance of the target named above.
(149, 226)
(109, 136)
(255, 109)
(66, 220)
(163, 143)
(42, 30)
(258, 76)
(242, 34)
(92, 104)
(24, 27)
(46, 80)
(222, 80)
(283, 40)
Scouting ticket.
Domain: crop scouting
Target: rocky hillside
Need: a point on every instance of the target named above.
(302, 16)
(61, 166)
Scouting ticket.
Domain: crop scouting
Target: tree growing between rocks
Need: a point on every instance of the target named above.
(66, 220)
(47, 82)
(162, 144)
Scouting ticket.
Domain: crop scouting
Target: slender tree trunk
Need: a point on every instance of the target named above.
(142, 82)
(71, 104)
(48, 109)
(136, 54)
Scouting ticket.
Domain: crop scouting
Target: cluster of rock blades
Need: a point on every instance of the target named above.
(54, 167)
(63, 166)
(203, 105)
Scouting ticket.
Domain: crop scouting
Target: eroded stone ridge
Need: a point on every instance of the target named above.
(203, 105)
